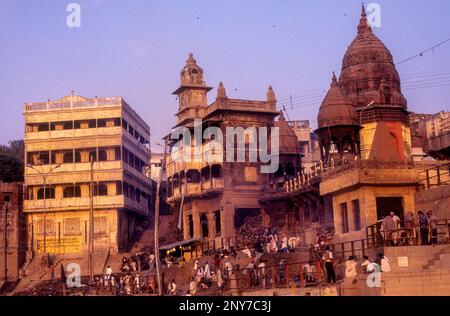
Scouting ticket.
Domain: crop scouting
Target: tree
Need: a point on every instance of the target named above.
(11, 161)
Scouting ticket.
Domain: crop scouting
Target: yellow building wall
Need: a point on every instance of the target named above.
(367, 196)
(68, 232)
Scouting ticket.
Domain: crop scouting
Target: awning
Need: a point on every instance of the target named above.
(177, 244)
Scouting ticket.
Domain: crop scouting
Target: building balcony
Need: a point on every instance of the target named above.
(196, 189)
(75, 133)
(76, 172)
(83, 203)
(70, 204)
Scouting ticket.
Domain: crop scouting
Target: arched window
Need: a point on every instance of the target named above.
(347, 144)
(290, 170)
(92, 156)
(193, 176)
(216, 171)
(334, 146)
(182, 178)
(205, 173)
(77, 156)
(176, 180)
(280, 171)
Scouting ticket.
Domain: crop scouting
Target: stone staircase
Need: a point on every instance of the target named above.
(35, 272)
(439, 259)
(101, 256)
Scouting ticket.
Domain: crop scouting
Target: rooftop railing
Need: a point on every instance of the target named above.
(71, 104)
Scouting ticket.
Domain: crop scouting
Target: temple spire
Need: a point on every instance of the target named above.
(271, 95)
(221, 93)
(334, 82)
(363, 23)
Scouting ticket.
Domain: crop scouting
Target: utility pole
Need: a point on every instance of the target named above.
(5, 240)
(91, 222)
(44, 177)
(157, 205)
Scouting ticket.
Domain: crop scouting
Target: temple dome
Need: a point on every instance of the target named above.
(336, 108)
(368, 70)
(288, 139)
(191, 74)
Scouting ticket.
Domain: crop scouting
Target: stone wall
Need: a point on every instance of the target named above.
(436, 199)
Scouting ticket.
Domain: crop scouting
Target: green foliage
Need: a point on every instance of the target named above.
(11, 161)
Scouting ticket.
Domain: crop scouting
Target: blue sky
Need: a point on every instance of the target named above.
(136, 49)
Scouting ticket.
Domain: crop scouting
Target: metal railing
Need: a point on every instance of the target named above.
(436, 176)
(283, 275)
(408, 234)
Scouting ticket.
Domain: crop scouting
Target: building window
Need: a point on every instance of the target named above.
(71, 192)
(101, 123)
(218, 224)
(49, 193)
(356, 215)
(44, 127)
(68, 157)
(191, 226)
(119, 188)
(125, 155)
(125, 189)
(204, 225)
(7, 198)
(216, 171)
(132, 192)
(101, 189)
(102, 155)
(344, 218)
(93, 155)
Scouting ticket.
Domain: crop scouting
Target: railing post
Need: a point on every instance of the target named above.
(302, 277)
(427, 174)
(438, 175)
(287, 276)
(352, 247)
(363, 248)
(343, 250)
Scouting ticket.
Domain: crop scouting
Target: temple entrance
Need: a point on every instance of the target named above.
(386, 205)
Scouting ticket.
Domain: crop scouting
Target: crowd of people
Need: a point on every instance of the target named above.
(380, 264)
(396, 232)
(217, 271)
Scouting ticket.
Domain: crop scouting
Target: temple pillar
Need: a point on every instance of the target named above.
(227, 220)
(197, 225)
(211, 224)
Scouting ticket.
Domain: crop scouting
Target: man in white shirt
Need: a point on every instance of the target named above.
(192, 287)
(108, 272)
(385, 265)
